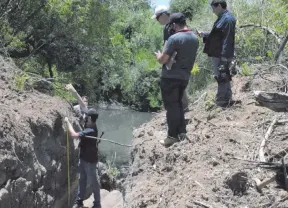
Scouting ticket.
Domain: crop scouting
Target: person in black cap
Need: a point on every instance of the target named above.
(162, 15)
(175, 79)
(88, 157)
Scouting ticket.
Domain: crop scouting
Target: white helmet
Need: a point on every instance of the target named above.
(159, 10)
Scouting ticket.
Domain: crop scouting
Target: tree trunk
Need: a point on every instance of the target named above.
(50, 68)
(280, 50)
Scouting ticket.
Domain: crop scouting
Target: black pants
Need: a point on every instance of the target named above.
(172, 92)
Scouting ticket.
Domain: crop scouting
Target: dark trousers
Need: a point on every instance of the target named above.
(172, 92)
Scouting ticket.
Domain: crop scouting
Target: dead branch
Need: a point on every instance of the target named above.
(263, 142)
(278, 65)
(280, 50)
(269, 30)
(265, 182)
(203, 95)
(205, 122)
(189, 205)
(282, 121)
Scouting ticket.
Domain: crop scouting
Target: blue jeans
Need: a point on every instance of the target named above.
(88, 171)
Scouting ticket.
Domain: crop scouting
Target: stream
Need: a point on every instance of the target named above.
(118, 126)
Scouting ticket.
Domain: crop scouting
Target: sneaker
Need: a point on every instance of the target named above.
(226, 104)
(96, 206)
(183, 137)
(168, 141)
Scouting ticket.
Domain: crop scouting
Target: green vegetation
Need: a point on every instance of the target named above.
(246, 70)
(106, 47)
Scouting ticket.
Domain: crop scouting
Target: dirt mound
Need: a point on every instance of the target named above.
(33, 169)
(206, 172)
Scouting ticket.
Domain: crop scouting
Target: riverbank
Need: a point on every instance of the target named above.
(205, 171)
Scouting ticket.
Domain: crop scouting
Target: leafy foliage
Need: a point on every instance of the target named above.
(106, 48)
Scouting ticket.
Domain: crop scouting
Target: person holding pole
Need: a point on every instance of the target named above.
(88, 157)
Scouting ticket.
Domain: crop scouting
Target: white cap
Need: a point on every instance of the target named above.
(159, 10)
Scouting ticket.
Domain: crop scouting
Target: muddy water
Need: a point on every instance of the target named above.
(118, 126)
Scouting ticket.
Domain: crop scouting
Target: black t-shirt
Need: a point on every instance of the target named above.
(167, 33)
(89, 147)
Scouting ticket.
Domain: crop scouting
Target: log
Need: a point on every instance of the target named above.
(276, 101)
(263, 142)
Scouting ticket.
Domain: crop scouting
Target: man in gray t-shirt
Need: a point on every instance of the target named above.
(174, 79)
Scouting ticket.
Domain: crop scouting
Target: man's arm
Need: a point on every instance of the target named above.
(227, 29)
(168, 50)
(70, 128)
(77, 96)
(162, 57)
(203, 35)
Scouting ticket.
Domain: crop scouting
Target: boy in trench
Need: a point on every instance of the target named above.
(88, 157)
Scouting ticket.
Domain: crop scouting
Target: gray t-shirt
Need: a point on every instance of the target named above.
(184, 45)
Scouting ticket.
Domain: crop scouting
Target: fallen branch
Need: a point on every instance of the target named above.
(199, 184)
(270, 31)
(189, 205)
(204, 94)
(206, 122)
(279, 65)
(273, 100)
(263, 143)
(262, 184)
(282, 121)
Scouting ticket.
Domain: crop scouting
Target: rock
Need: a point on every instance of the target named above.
(33, 159)
(141, 134)
(112, 199)
(150, 133)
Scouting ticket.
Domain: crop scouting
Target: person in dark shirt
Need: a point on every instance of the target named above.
(162, 15)
(88, 157)
(220, 46)
(175, 80)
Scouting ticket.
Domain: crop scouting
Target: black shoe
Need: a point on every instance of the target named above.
(226, 104)
(182, 137)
